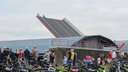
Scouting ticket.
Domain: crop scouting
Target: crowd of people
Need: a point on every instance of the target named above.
(7, 56)
(112, 55)
(50, 57)
(70, 58)
(101, 59)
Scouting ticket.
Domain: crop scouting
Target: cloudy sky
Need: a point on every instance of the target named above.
(92, 17)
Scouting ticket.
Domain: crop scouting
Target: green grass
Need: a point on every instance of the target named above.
(61, 68)
(107, 66)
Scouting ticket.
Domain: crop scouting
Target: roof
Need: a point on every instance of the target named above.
(101, 39)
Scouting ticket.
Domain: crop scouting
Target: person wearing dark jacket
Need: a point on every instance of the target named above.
(1, 56)
(6, 55)
(11, 55)
(27, 55)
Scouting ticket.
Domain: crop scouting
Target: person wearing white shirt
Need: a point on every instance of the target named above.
(114, 55)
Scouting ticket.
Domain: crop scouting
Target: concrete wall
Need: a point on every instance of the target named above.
(81, 53)
(92, 42)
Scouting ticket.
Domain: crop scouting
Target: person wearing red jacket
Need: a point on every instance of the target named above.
(88, 60)
(110, 57)
(20, 54)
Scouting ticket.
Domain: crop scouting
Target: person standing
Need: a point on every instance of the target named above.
(99, 60)
(47, 56)
(122, 56)
(0, 51)
(35, 53)
(72, 55)
(68, 56)
(11, 56)
(75, 59)
(1, 55)
(27, 55)
(103, 58)
(6, 55)
(72, 58)
(52, 57)
(121, 53)
(20, 54)
(109, 57)
(114, 55)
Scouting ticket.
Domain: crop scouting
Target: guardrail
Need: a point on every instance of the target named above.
(85, 44)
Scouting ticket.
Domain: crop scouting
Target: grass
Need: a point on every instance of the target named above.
(61, 69)
(107, 66)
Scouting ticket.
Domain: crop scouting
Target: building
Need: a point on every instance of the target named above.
(95, 42)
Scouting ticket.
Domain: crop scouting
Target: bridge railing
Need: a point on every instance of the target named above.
(84, 44)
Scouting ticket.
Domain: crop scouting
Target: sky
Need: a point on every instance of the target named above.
(92, 17)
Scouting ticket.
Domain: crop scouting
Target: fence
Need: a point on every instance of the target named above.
(84, 44)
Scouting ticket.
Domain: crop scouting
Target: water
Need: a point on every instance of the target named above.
(41, 44)
(40, 48)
